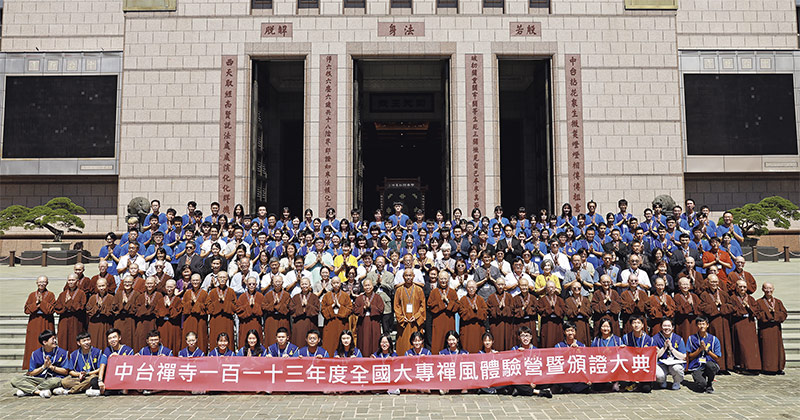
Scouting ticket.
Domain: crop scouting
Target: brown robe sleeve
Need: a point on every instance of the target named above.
(435, 302)
(311, 309)
(468, 314)
(345, 306)
(92, 308)
(142, 309)
(197, 308)
(528, 310)
(682, 305)
(546, 309)
(47, 305)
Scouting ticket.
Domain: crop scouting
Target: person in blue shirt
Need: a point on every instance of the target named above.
(115, 347)
(347, 347)
(453, 342)
(606, 338)
(417, 345)
(704, 351)
(253, 348)
(621, 218)
(312, 348)
(525, 340)
(637, 338)
(398, 218)
(385, 347)
(223, 340)
(155, 207)
(671, 355)
(592, 217)
(84, 364)
(282, 347)
(48, 366)
(191, 349)
(570, 341)
(154, 346)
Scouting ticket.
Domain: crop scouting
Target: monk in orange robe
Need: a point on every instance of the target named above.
(125, 312)
(634, 303)
(551, 306)
(221, 306)
(743, 324)
(195, 317)
(100, 311)
(249, 309)
(719, 258)
(169, 310)
(525, 307)
(70, 306)
(659, 307)
(276, 311)
(771, 313)
(715, 303)
(368, 307)
(473, 312)
(501, 307)
(409, 310)
(39, 307)
(443, 306)
(607, 304)
(336, 308)
(145, 307)
(304, 307)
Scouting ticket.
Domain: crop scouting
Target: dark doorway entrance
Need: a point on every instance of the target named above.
(526, 152)
(276, 170)
(402, 134)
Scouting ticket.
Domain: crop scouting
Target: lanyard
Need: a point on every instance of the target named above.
(87, 363)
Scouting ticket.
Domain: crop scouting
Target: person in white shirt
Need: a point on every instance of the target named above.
(634, 261)
(291, 280)
(132, 257)
(515, 276)
(408, 262)
(239, 280)
(213, 233)
(559, 259)
(500, 263)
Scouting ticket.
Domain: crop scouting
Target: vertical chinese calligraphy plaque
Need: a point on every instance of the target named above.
(227, 134)
(475, 131)
(327, 130)
(576, 164)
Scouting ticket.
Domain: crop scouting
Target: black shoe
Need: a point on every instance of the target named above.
(545, 393)
(646, 388)
(780, 372)
(709, 389)
(514, 393)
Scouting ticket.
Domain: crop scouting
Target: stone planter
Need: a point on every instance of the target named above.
(56, 246)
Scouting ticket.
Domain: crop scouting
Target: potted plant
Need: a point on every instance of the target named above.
(753, 218)
(59, 215)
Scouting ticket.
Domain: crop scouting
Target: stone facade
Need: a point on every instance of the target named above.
(171, 84)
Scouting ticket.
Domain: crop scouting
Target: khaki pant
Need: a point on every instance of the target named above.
(78, 387)
(29, 384)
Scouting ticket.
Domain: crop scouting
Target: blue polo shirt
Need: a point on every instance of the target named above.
(196, 353)
(711, 344)
(162, 351)
(632, 341)
(59, 358)
(304, 352)
(289, 351)
(677, 343)
(80, 362)
(123, 351)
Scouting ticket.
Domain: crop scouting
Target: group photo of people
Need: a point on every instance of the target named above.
(258, 284)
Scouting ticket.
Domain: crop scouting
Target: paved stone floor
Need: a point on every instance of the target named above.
(776, 397)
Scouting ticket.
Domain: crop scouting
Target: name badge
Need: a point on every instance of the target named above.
(580, 316)
(336, 310)
(702, 360)
(745, 315)
(366, 313)
(553, 316)
(409, 308)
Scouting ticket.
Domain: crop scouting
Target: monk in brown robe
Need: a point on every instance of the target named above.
(304, 307)
(607, 304)
(501, 307)
(525, 306)
(249, 308)
(687, 307)
(409, 310)
(169, 310)
(739, 274)
(145, 307)
(195, 317)
(747, 356)
(473, 312)
(275, 307)
(100, 311)
(698, 283)
(125, 312)
(659, 307)
(70, 306)
(578, 310)
(138, 280)
(551, 306)
(716, 306)
(221, 306)
(111, 283)
(39, 307)
(771, 313)
(336, 307)
(161, 279)
(443, 306)
(84, 283)
(368, 307)
(634, 303)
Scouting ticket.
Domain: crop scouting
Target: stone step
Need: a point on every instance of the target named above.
(12, 354)
(12, 343)
(10, 366)
(15, 333)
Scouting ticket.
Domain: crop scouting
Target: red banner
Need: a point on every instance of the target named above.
(250, 374)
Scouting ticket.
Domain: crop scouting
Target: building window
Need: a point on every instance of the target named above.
(262, 4)
(307, 4)
(447, 4)
(538, 4)
(355, 4)
(400, 4)
(496, 4)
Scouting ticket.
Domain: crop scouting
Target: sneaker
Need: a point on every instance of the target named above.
(60, 391)
(630, 388)
(615, 387)
(45, 393)
(92, 392)
(662, 385)
(393, 392)
(676, 386)
(545, 393)
(147, 392)
(20, 393)
(442, 391)
(709, 389)
(646, 388)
